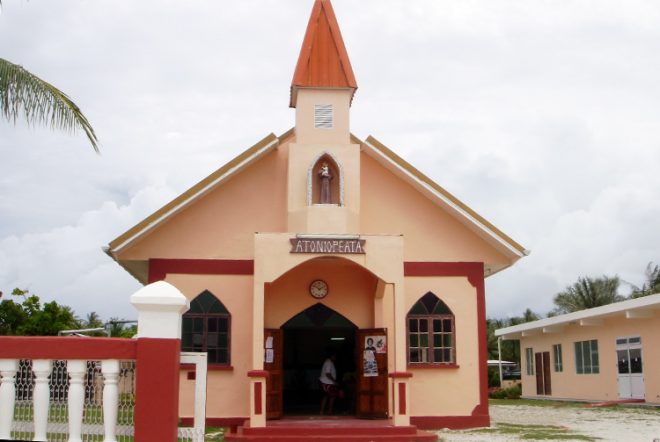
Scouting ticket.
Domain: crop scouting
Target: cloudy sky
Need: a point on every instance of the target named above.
(543, 116)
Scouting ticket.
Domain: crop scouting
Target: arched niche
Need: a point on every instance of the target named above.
(333, 174)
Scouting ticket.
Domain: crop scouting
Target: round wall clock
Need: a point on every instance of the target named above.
(318, 289)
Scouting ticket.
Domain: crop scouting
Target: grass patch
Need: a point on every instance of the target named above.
(533, 432)
(214, 434)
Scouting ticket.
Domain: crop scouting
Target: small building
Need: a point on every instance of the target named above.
(318, 240)
(607, 353)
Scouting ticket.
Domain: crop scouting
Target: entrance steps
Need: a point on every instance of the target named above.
(331, 429)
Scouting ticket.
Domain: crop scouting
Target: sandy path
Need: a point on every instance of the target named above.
(620, 425)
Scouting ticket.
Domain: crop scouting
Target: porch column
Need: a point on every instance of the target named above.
(257, 375)
(160, 306)
(401, 398)
(257, 397)
(400, 376)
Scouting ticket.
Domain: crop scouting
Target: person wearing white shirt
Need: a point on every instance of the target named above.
(328, 381)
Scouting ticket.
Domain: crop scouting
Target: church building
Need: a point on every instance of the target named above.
(317, 241)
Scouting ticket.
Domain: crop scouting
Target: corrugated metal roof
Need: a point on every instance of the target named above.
(323, 61)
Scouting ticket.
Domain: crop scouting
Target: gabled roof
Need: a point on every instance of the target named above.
(323, 61)
(443, 198)
(244, 159)
(643, 307)
(371, 147)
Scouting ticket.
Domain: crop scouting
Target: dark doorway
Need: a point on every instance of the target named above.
(308, 337)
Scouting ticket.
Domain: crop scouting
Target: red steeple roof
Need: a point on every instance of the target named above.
(323, 60)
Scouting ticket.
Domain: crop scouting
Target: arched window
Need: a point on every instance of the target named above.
(431, 332)
(206, 327)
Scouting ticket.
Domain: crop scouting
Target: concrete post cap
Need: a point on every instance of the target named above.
(159, 293)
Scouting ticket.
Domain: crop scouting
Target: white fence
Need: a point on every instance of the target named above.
(85, 389)
(85, 401)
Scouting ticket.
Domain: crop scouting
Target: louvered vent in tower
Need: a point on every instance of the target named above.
(323, 116)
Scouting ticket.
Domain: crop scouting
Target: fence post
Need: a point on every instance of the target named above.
(41, 397)
(110, 370)
(76, 400)
(8, 369)
(160, 306)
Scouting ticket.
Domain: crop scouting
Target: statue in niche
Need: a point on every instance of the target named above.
(325, 176)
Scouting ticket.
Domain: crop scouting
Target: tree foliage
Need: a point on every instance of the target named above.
(22, 92)
(30, 318)
(26, 316)
(587, 293)
(652, 283)
(39, 102)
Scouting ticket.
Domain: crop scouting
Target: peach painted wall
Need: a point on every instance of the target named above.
(351, 292)
(601, 386)
(340, 99)
(226, 389)
(221, 224)
(389, 205)
(323, 218)
(448, 391)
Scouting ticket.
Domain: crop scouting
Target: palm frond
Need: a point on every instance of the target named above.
(39, 102)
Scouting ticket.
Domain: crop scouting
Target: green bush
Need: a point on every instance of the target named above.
(506, 393)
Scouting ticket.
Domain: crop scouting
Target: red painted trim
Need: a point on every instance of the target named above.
(210, 367)
(66, 347)
(159, 268)
(400, 374)
(257, 398)
(474, 272)
(434, 366)
(477, 279)
(451, 422)
(257, 374)
(416, 268)
(157, 389)
(402, 398)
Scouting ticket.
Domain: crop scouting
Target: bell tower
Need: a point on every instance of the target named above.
(324, 167)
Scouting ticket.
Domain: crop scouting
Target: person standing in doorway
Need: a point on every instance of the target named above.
(329, 385)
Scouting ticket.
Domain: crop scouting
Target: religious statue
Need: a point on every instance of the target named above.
(325, 177)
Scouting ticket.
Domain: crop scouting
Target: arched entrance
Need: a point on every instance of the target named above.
(321, 304)
(308, 337)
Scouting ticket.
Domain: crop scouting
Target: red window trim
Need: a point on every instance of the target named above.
(427, 365)
(209, 367)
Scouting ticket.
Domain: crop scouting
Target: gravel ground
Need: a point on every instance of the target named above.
(628, 424)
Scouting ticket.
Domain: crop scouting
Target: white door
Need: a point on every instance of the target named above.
(629, 361)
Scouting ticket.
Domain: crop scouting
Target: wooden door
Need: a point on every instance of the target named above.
(371, 394)
(542, 362)
(547, 390)
(273, 354)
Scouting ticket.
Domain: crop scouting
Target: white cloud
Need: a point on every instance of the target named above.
(542, 116)
(66, 263)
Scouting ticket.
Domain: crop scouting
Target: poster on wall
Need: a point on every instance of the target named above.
(270, 356)
(377, 344)
(369, 364)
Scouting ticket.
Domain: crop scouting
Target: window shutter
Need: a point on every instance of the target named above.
(323, 116)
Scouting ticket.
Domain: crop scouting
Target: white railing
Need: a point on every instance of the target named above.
(82, 400)
(78, 390)
(196, 433)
